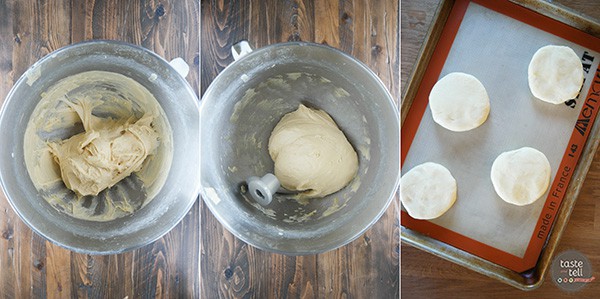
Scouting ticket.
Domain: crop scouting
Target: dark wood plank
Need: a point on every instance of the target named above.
(368, 267)
(58, 276)
(427, 276)
(33, 267)
(18, 254)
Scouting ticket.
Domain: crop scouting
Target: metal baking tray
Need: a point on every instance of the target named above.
(530, 278)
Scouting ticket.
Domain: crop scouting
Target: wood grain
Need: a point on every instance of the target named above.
(365, 268)
(426, 276)
(34, 268)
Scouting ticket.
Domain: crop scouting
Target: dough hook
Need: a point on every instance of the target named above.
(263, 189)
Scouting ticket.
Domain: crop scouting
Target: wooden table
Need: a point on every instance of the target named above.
(426, 276)
(198, 258)
(367, 267)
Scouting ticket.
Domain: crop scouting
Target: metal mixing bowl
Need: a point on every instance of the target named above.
(240, 109)
(160, 215)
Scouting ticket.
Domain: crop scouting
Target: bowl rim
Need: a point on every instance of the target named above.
(392, 105)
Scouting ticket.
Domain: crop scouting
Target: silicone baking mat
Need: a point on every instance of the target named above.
(494, 41)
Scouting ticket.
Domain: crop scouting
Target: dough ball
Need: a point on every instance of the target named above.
(555, 74)
(459, 102)
(521, 176)
(427, 191)
(311, 153)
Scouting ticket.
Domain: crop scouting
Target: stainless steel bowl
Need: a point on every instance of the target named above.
(160, 215)
(240, 109)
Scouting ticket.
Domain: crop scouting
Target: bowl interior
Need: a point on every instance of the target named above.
(245, 103)
(172, 202)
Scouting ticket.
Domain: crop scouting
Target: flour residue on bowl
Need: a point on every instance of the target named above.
(33, 75)
(266, 211)
(300, 217)
(333, 208)
(98, 101)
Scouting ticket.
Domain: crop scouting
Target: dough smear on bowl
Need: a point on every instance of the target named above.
(555, 74)
(521, 176)
(427, 191)
(459, 102)
(311, 153)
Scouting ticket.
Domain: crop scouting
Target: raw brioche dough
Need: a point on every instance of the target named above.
(555, 74)
(521, 176)
(427, 191)
(105, 153)
(98, 146)
(311, 153)
(459, 102)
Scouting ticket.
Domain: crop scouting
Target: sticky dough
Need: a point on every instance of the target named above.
(311, 153)
(98, 146)
(105, 153)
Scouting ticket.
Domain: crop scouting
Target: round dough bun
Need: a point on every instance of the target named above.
(427, 191)
(521, 176)
(459, 102)
(311, 154)
(555, 74)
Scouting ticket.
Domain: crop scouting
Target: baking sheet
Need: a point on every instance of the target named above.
(499, 58)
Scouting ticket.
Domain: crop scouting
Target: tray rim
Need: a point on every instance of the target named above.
(463, 258)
